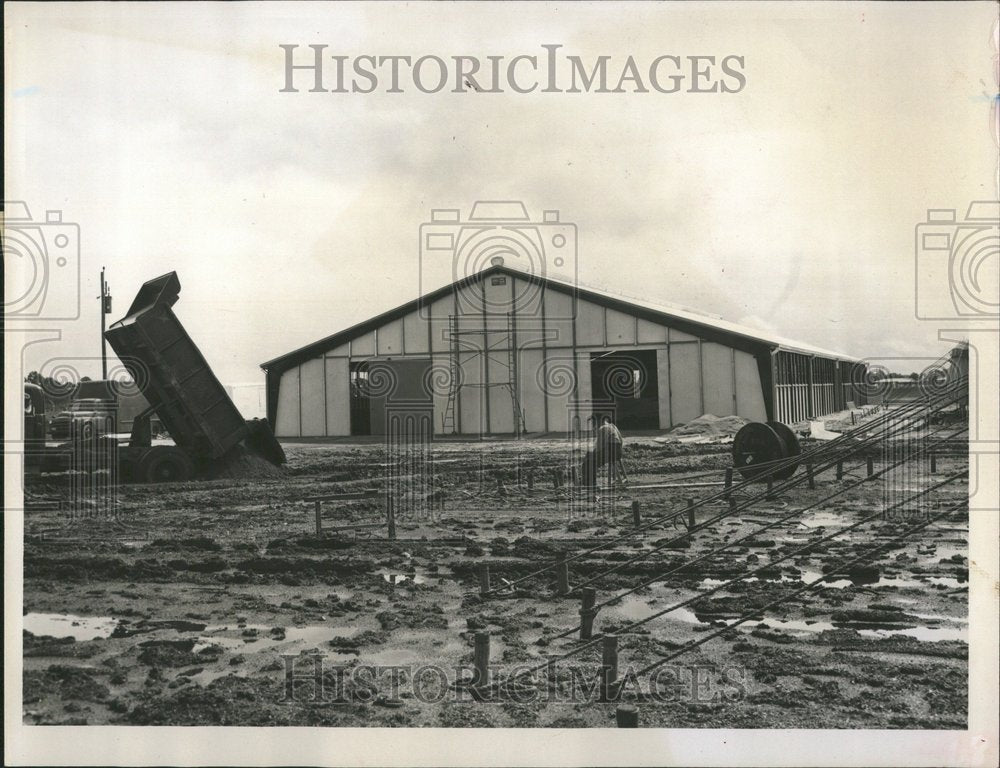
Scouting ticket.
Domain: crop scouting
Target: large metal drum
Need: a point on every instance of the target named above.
(758, 448)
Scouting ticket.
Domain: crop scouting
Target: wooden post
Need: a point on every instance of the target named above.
(870, 465)
(555, 478)
(481, 660)
(573, 475)
(390, 514)
(484, 579)
(690, 519)
(729, 481)
(840, 470)
(587, 613)
(319, 518)
(609, 666)
(810, 475)
(933, 462)
(627, 716)
(636, 514)
(562, 574)
(854, 421)
(770, 488)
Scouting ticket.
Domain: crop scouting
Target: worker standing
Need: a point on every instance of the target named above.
(608, 447)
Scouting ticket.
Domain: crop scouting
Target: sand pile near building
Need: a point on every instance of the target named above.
(707, 428)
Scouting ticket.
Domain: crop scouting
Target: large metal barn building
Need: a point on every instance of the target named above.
(507, 352)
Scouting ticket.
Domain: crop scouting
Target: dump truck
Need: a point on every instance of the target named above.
(208, 433)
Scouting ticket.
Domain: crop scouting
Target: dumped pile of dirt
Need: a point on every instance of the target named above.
(707, 428)
(241, 463)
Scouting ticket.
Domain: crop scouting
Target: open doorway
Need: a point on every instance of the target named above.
(361, 423)
(629, 380)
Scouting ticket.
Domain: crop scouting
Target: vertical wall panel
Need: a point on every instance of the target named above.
(561, 372)
(718, 379)
(532, 397)
(286, 423)
(470, 299)
(558, 319)
(363, 346)
(749, 394)
(621, 328)
(584, 389)
(415, 334)
(390, 338)
(501, 405)
(441, 310)
(440, 383)
(651, 333)
(589, 324)
(312, 385)
(338, 397)
(663, 384)
(685, 382)
(528, 300)
(473, 405)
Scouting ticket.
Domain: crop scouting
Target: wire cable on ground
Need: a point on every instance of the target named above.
(838, 448)
(596, 640)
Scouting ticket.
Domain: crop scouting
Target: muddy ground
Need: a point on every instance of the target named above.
(196, 605)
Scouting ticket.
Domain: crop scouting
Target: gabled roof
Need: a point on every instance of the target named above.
(685, 320)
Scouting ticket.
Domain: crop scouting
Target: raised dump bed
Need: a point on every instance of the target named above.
(177, 381)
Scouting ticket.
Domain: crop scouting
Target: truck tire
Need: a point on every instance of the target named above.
(165, 464)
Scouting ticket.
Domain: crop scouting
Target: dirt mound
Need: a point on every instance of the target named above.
(241, 463)
(706, 428)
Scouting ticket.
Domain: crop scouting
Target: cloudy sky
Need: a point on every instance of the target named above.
(161, 130)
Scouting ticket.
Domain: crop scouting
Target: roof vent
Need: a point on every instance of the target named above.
(497, 261)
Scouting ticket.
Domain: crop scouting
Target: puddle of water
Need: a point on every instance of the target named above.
(822, 520)
(311, 636)
(68, 625)
(926, 634)
(399, 578)
(633, 608)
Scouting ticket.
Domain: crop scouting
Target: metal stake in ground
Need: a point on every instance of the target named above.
(481, 661)
(587, 613)
(562, 574)
(609, 667)
(484, 579)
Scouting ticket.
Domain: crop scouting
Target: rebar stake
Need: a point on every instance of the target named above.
(609, 667)
(484, 579)
(562, 574)
(481, 660)
(587, 613)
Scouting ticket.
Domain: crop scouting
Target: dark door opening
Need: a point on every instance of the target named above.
(629, 380)
(361, 423)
